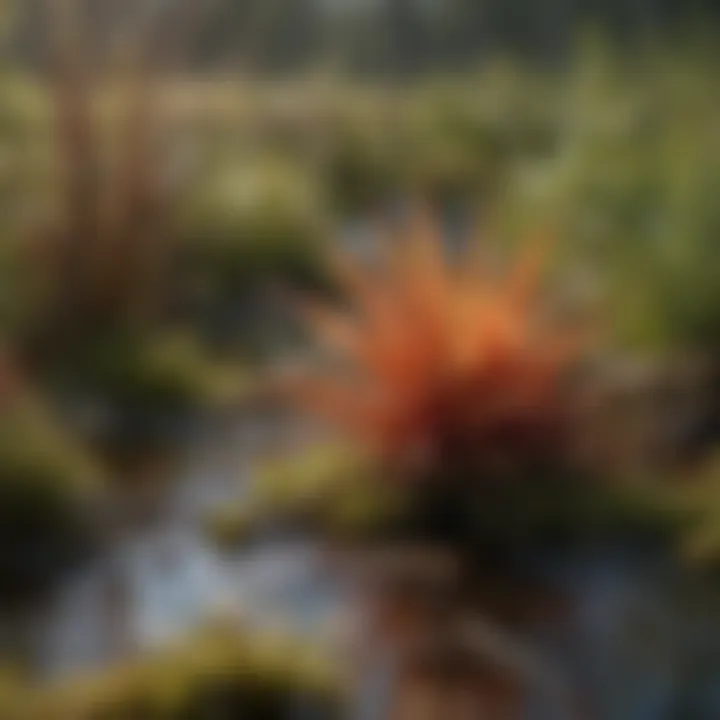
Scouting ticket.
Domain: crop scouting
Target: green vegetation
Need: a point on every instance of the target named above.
(166, 373)
(327, 487)
(617, 159)
(363, 166)
(253, 222)
(114, 280)
(48, 491)
(331, 490)
(222, 672)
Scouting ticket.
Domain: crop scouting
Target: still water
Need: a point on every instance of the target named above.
(643, 641)
(166, 576)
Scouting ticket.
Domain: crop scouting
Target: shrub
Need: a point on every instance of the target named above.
(453, 382)
(142, 390)
(252, 224)
(364, 165)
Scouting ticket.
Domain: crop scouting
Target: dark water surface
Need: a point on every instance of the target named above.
(643, 641)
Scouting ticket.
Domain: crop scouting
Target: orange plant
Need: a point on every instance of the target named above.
(439, 365)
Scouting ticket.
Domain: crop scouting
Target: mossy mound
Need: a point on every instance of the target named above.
(220, 673)
(140, 391)
(48, 489)
(252, 223)
(324, 488)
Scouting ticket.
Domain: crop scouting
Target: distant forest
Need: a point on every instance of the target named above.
(371, 36)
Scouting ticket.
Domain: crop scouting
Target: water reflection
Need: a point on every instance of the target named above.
(166, 579)
(642, 640)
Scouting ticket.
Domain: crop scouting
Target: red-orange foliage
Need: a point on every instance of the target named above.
(441, 365)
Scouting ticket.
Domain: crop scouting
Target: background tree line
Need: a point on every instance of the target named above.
(373, 36)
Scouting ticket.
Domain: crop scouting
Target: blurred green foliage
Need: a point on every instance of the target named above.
(221, 672)
(618, 155)
(255, 221)
(49, 489)
(336, 491)
(169, 372)
(327, 487)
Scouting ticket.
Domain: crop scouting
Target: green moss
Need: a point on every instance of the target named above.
(141, 390)
(231, 526)
(169, 372)
(305, 478)
(253, 222)
(341, 495)
(220, 673)
(697, 502)
(13, 695)
(48, 486)
(329, 488)
(363, 167)
(453, 154)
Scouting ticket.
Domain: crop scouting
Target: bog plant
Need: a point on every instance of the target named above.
(442, 367)
(99, 272)
(456, 382)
